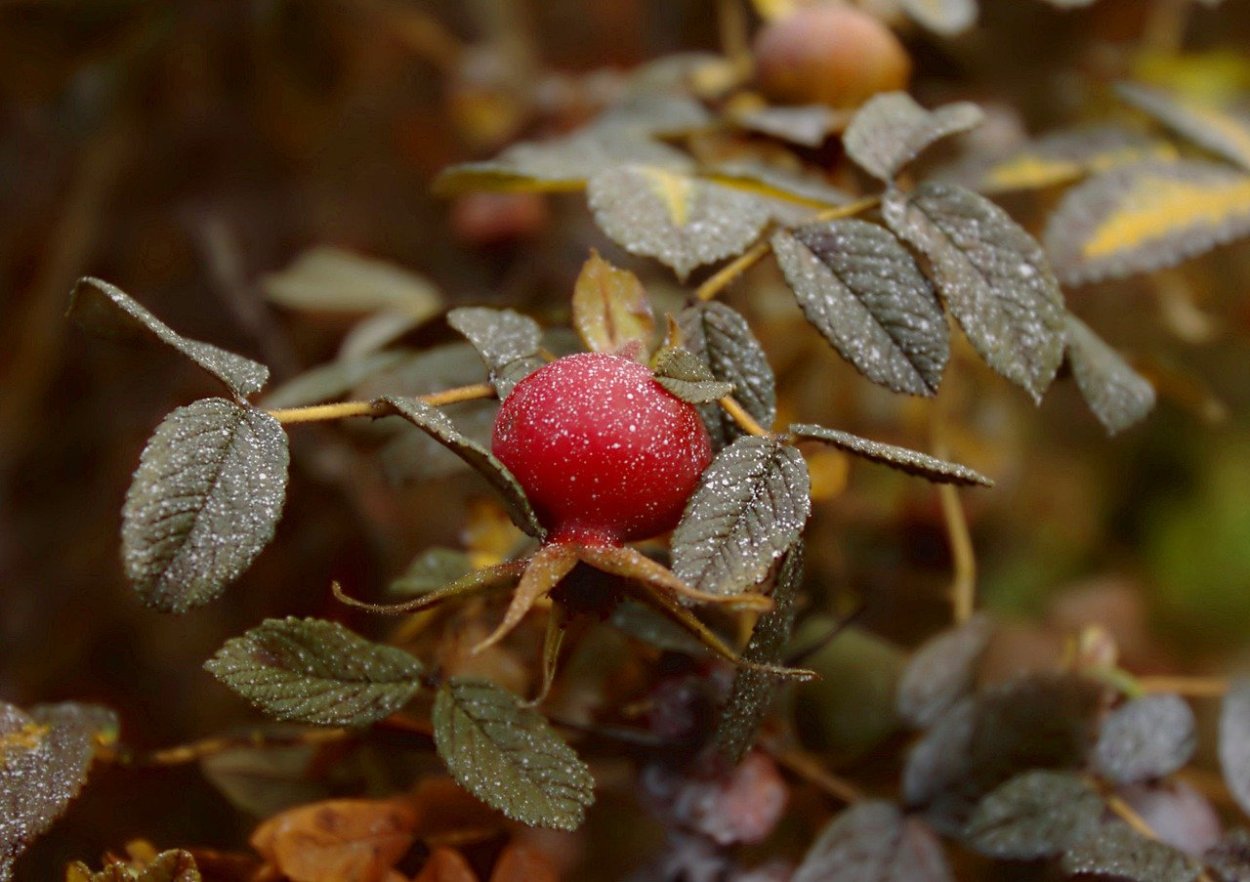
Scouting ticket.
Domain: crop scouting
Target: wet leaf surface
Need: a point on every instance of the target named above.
(1116, 850)
(688, 377)
(1147, 737)
(1117, 394)
(913, 462)
(891, 130)
(1035, 815)
(507, 341)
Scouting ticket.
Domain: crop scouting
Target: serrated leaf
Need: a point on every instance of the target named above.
(749, 508)
(808, 125)
(863, 291)
(993, 276)
(316, 671)
(1117, 850)
(942, 671)
(945, 17)
(1035, 815)
(682, 221)
(203, 503)
(44, 760)
(509, 757)
(1117, 394)
(107, 310)
(904, 459)
(688, 377)
(610, 309)
(1234, 741)
(891, 130)
(753, 690)
(330, 381)
(1145, 217)
(721, 337)
(327, 279)
(874, 842)
(435, 424)
(431, 570)
(507, 341)
(1224, 133)
(1147, 737)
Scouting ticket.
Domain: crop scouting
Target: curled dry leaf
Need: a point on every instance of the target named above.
(345, 839)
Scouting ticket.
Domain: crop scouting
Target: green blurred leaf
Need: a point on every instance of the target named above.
(1225, 133)
(507, 341)
(942, 671)
(1035, 815)
(326, 279)
(873, 841)
(902, 458)
(1146, 738)
(334, 380)
(891, 130)
(807, 125)
(1117, 394)
(431, 570)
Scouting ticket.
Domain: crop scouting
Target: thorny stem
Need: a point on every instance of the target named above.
(343, 409)
(745, 421)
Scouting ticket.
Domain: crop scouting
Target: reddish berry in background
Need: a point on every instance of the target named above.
(604, 452)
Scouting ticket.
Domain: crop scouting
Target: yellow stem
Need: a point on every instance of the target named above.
(1194, 687)
(722, 278)
(964, 580)
(745, 421)
(1129, 815)
(343, 409)
(811, 770)
(848, 210)
(197, 750)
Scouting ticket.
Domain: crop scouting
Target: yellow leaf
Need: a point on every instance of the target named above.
(610, 309)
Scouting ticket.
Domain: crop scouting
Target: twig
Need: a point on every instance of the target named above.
(810, 769)
(963, 588)
(343, 409)
(197, 750)
(745, 421)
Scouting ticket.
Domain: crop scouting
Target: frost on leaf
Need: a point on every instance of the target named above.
(107, 310)
(203, 502)
(993, 276)
(682, 221)
(688, 377)
(946, 17)
(1145, 217)
(507, 341)
(316, 671)
(1223, 132)
(610, 309)
(1234, 742)
(913, 462)
(749, 508)
(874, 842)
(1035, 815)
(1117, 394)
(44, 760)
(435, 424)
(326, 279)
(509, 757)
(1119, 851)
(863, 291)
(891, 130)
(722, 338)
(1145, 738)
(942, 671)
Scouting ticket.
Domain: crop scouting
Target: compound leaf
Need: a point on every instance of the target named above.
(109, 311)
(749, 508)
(1234, 741)
(1035, 815)
(1223, 133)
(945, 17)
(942, 671)
(891, 130)
(1117, 394)
(507, 341)
(1119, 851)
(610, 309)
(904, 459)
(316, 671)
(326, 279)
(203, 502)
(508, 756)
(874, 842)
(1147, 737)
(993, 275)
(863, 291)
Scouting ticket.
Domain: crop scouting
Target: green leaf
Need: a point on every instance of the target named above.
(808, 125)
(749, 508)
(431, 570)
(688, 377)
(203, 503)
(1117, 850)
(44, 760)
(891, 130)
(873, 841)
(509, 757)
(106, 310)
(1117, 394)
(507, 341)
(993, 276)
(682, 221)
(902, 458)
(263, 781)
(1035, 815)
(1234, 741)
(753, 690)
(1223, 132)
(942, 671)
(1145, 217)
(316, 671)
(945, 17)
(334, 380)
(326, 279)
(722, 338)
(610, 309)
(863, 291)
(1145, 738)
(431, 421)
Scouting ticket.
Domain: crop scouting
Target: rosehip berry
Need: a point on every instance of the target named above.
(605, 453)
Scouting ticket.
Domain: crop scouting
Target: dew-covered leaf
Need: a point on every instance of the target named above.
(946, 17)
(431, 570)
(891, 130)
(1117, 850)
(509, 757)
(327, 279)
(749, 508)
(862, 290)
(203, 502)
(807, 125)
(330, 381)
(942, 671)
(1147, 737)
(874, 842)
(1117, 394)
(1035, 815)
(777, 183)
(682, 221)
(722, 338)
(1147, 216)
(107, 310)
(316, 671)
(610, 309)
(435, 424)
(507, 341)
(753, 690)
(1234, 741)
(1230, 857)
(993, 276)
(44, 760)
(902, 458)
(1223, 132)
(688, 377)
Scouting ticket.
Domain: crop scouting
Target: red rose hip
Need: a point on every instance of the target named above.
(605, 454)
